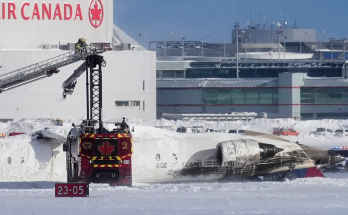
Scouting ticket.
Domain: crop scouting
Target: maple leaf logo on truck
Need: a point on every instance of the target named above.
(106, 148)
(96, 13)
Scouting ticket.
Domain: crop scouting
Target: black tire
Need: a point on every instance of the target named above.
(71, 173)
(75, 173)
(68, 173)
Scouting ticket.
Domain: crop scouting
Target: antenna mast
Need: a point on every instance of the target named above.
(251, 17)
(295, 23)
(260, 14)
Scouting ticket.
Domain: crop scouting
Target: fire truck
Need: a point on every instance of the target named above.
(93, 154)
(99, 156)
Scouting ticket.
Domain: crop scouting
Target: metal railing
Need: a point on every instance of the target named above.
(42, 69)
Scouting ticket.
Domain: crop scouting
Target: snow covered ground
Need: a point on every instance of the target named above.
(30, 188)
(301, 196)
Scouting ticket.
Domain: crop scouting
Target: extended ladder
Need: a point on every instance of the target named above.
(42, 69)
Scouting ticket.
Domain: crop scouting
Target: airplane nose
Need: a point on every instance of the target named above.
(322, 157)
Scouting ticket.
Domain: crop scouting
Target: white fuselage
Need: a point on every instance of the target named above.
(161, 157)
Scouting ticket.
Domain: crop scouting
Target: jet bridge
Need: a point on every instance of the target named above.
(43, 69)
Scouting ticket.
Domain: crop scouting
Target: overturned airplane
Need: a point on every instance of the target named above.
(166, 156)
(233, 157)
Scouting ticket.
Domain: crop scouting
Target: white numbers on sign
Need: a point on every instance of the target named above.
(61, 189)
(76, 190)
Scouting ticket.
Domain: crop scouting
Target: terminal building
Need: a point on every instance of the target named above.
(282, 73)
(35, 31)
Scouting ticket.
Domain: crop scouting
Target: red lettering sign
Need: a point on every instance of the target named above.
(46, 11)
(22, 11)
(3, 10)
(78, 12)
(36, 12)
(11, 10)
(57, 12)
(66, 8)
(61, 11)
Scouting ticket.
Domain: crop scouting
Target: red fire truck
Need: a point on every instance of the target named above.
(92, 156)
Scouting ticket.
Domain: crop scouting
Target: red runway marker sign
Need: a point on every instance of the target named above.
(71, 190)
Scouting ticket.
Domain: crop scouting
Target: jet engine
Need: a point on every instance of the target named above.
(242, 153)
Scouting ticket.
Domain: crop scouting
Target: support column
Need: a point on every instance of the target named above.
(290, 94)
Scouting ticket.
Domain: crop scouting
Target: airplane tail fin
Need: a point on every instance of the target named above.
(308, 173)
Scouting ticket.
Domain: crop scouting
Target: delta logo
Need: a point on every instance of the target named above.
(52, 11)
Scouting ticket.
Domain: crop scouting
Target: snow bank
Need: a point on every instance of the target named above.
(24, 159)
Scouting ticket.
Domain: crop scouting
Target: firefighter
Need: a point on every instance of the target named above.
(124, 126)
(80, 45)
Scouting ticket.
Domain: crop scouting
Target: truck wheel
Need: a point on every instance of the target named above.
(68, 173)
(75, 173)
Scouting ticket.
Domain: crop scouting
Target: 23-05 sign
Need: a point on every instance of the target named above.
(71, 190)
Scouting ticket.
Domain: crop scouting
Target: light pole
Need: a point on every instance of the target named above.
(284, 38)
(331, 40)
(243, 32)
(202, 42)
(246, 47)
(320, 40)
(224, 46)
(165, 43)
(236, 26)
(183, 47)
(279, 33)
(139, 35)
(344, 48)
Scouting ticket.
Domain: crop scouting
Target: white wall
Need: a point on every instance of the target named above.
(33, 33)
(122, 80)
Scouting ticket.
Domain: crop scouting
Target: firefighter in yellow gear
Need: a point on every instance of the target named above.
(81, 43)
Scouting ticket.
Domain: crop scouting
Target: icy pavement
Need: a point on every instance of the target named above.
(301, 196)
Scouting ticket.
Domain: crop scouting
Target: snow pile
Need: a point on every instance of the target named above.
(259, 125)
(28, 126)
(25, 159)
